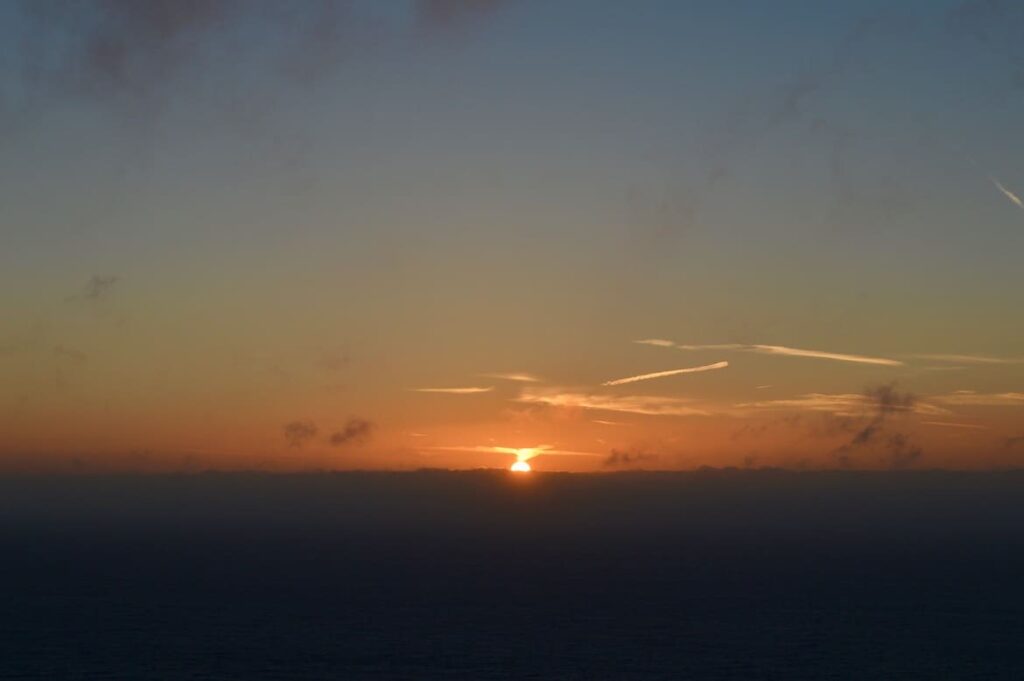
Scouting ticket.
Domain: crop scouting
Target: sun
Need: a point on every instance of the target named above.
(520, 467)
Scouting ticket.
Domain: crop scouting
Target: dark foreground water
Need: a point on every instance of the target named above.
(720, 575)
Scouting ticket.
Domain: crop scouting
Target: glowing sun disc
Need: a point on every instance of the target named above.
(520, 467)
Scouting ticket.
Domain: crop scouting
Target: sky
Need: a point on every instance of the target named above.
(447, 233)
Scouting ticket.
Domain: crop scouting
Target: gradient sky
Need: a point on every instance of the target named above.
(249, 234)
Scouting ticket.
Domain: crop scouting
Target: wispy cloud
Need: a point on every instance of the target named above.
(629, 404)
(1016, 200)
(657, 342)
(455, 391)
(775, 350)
(976, 399)
(521, 453)
(950, 424)
(514, 376)
(969, 359)
(842, 404)
(670, 372)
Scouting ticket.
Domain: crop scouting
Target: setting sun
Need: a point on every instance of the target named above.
(520, 467)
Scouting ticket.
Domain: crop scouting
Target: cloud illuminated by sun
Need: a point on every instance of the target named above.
(522, 454)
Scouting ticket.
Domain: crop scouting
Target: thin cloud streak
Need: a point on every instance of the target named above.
(950, 424)
(521, 453)
(975, 399)
(775, 350)
(970, 359)
(1016, 200)
(517, 377)
(628, 404)
(670, 372)
(842, 404)
(472, 390)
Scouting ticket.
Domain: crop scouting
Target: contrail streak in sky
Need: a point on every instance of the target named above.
(775, 350)
(1007, 193)
(670, 372)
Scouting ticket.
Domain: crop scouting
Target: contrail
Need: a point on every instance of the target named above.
(774, 350)
(971, 359)
(671, 372)
(454, 391)
(818, 354)
(1007, 193)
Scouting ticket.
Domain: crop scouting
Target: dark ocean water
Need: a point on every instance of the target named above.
(713, 575)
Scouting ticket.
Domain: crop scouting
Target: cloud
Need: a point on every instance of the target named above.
(1013, 441)
(1016, 200)
(818, 354)
(842, 404)
(850, 404)
(517, 377)
(629, 404)
(670, 372)
(969, 359)
(355, 432)
(297, 433)
(620, 458)
(975, 399)
(455, 391)
(521, 453)
(657, 342)
(951, 424)
(775, 350)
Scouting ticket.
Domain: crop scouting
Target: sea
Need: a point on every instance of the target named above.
(710, 574)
